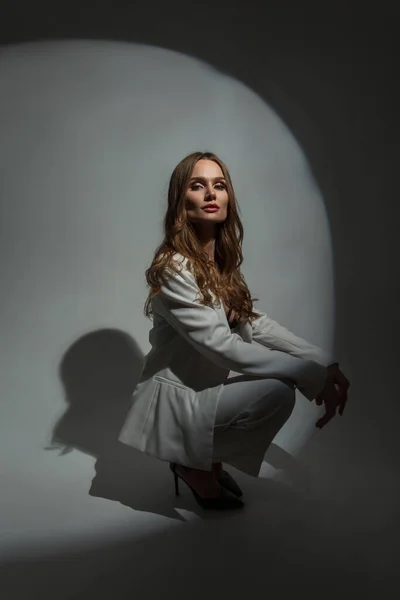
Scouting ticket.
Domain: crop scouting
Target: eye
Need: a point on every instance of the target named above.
(195, 186)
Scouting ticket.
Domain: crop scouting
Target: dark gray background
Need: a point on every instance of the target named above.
(330, 71)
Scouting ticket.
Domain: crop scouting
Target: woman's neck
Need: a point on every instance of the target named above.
(209, 247)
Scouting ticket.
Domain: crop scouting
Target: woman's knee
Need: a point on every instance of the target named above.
(279, 399)
(285, 391)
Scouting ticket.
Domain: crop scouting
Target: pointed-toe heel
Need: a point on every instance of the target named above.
(225, 501)
(227, 481)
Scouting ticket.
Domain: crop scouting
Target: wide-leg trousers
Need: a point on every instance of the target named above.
(250, 412)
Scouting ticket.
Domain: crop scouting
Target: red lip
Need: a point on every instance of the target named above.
(210, 206)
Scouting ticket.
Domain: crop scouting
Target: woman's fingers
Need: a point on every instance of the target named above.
(325, 419)
(331, 398)
(343, 402)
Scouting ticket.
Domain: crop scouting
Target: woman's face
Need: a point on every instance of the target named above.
(207, 186)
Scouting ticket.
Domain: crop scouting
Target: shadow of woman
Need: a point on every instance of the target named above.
(99, 372)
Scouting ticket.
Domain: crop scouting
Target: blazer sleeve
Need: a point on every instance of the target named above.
(211, 336)
(271, 334)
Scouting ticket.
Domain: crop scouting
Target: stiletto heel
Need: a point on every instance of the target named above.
(224, 501)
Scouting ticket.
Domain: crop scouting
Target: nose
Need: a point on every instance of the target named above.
(210, 192)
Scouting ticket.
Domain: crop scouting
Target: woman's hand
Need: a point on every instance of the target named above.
(331, 396)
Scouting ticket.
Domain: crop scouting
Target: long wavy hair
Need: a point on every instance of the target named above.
(223, 277)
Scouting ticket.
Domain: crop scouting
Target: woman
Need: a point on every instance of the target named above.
(219, 381)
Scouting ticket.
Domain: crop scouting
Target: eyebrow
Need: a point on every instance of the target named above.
(204, 179)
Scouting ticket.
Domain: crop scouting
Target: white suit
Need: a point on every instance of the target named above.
(193, 350)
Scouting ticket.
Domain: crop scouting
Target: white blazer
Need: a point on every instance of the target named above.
(193, 349)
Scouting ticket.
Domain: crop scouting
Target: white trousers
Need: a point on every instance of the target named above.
(250, 412)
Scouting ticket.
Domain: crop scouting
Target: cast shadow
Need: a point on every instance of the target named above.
(99, 372)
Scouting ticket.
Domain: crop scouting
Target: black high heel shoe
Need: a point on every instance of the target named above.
(227, 481)
(224, 501)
